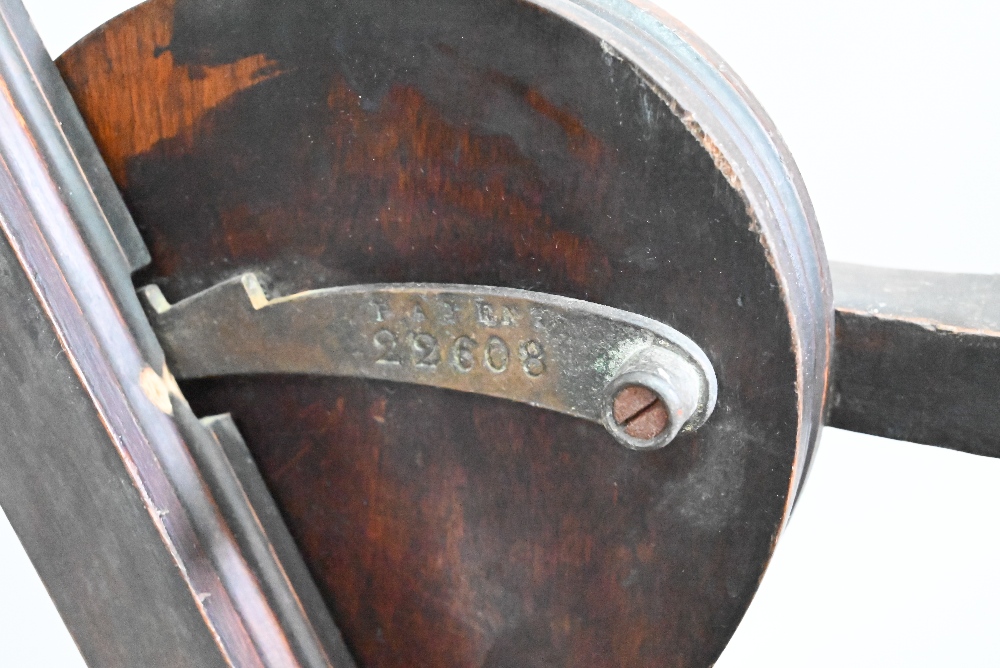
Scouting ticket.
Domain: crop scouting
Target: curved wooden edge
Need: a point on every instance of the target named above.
(733, 127)
(918, 357)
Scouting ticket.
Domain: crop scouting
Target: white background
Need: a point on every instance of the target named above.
(892, 111)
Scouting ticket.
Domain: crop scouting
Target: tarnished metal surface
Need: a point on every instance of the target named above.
(674, 384)
(553, 352)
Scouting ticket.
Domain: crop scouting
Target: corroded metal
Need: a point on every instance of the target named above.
(673, 383)
(553, 352)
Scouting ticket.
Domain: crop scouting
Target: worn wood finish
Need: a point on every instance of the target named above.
(256, 523)
(114, 239)
(918, 357)
(80, 480)
(97, 472)
(496, 143)
(69, 495)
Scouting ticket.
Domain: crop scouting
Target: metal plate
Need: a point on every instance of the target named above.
(552, 352)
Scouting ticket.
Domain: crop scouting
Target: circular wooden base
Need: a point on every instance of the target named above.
(583, 150)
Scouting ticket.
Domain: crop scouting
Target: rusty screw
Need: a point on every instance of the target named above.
(651, 398)
(640, 412)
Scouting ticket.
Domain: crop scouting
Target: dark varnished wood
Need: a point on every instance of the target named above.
(918, 357)
(256, 523)
(97, 473)
(90, 190)
(68, 494)
(496, 143)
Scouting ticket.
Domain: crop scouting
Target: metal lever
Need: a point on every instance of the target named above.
(643, 380)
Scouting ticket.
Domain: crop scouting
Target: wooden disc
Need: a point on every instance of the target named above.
(592, 150)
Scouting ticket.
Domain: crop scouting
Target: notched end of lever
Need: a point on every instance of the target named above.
(156, 304)
(153, 300)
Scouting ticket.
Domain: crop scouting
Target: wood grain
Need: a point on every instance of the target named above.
(486, 143)
(918, 357)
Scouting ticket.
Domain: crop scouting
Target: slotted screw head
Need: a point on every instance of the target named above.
(640, 412)
(651, 398)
